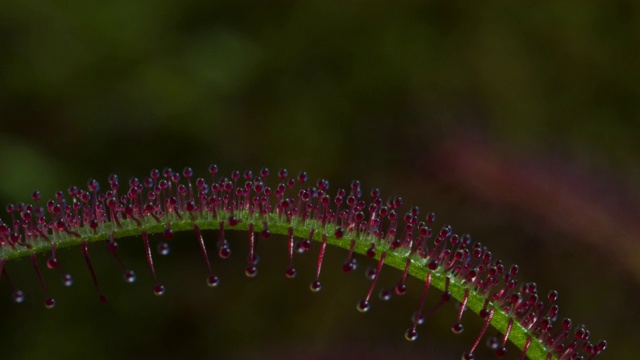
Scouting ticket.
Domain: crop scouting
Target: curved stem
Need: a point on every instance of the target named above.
(519, 335)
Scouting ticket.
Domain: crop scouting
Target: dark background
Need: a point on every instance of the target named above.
(517, 124)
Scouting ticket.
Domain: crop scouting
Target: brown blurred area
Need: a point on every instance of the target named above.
(517, 124)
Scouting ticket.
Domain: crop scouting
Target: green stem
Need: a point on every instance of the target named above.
(394, 258)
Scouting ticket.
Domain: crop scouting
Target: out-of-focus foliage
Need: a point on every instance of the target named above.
(378, 92)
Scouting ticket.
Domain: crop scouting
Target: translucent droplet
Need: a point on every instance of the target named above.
(420, 319)
(370, 273)
(163, 248)
(129, 276)
(411, 334)
(315, 286)
(67, 280)
(18, 296)
(363, 306)
(253, 261)
(213, 281)
(468, 356)
(493, 342)
(384, 295)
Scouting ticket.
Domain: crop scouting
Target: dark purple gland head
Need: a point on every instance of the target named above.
(159, 290)
(251, 271)
(290, 273)
(457, 328)
(50, 303)
(401, 289)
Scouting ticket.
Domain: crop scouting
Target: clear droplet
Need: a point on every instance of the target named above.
(493, 343)
(411, 334)
(420, 319)
(163, 248)
(370, 273)
(129, 276)
(363, 306)
(384, 295)
(18, 296)
(67, 280)
(315, 286)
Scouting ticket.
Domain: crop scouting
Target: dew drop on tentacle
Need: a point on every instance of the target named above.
(445, 297)
(315, 285)
(305, 245)
(350, 263)
(52, 262)
(384, 295)
(16, 295)
(67, 280)
(401, 287)
(251, 270)
(128, 275)
(370, 273)
(290, 272)
(223, 245)
(457, 328)
(502, 350)
(419, 318)
(469, 355)
(49, 302)
(412, 334)
(363, 305)
(163, 247)
(85, 254)
(212, 280)
(158, 288)
(493, 342)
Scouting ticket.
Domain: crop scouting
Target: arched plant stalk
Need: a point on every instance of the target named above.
(166, 202)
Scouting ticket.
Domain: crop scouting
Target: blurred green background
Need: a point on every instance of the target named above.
(517, 124)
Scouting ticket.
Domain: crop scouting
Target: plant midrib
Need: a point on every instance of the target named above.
(395, 258)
